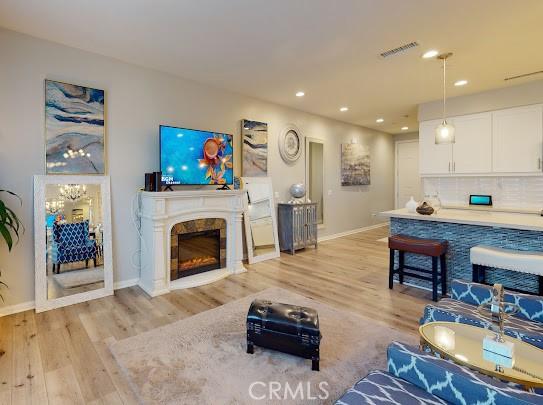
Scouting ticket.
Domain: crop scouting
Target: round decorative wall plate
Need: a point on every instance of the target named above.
(291, 143)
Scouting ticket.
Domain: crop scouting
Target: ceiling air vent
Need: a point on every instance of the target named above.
(523, 75)
(400, 49)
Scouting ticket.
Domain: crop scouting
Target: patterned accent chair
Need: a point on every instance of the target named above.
(527, 324)
(71, 243)
(415, 377)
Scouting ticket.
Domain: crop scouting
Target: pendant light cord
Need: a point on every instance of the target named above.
(444, 87)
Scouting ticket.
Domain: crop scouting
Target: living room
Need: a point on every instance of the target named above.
(303, 199)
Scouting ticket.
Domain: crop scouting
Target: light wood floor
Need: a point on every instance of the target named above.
(62, 356)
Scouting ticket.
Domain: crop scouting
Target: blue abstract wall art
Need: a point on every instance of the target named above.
(74, 129)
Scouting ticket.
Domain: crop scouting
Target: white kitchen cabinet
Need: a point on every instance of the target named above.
(434, 159)
(505, 142)
(517, 135)
(472, 150)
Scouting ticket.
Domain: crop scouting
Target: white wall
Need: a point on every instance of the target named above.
(409, 136)
(511, 96)
(137, 101)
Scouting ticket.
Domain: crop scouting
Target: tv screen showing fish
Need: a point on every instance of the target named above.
(195, 157)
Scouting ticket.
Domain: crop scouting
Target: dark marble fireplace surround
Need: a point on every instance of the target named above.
(181, 238)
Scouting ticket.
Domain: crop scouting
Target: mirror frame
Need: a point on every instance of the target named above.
(40, 183)
(248, 233)
(308, 140)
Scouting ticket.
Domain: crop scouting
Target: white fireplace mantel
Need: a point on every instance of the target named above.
(160, 211)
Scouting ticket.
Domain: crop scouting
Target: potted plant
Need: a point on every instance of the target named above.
(10, 225)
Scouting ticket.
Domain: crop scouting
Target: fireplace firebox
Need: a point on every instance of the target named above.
(197, 246)
(198, 252)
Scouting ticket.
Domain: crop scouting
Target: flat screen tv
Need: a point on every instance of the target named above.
(193, 157)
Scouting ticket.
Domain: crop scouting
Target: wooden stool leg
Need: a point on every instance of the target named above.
(434, 278)
(402, 263)
(391, 270)
(443, 266)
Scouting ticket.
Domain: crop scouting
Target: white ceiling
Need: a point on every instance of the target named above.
(328, 48)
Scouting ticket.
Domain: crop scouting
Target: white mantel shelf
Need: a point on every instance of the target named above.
(528, 222)
(160, 211)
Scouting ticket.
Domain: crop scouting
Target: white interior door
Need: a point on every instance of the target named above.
(408, 181)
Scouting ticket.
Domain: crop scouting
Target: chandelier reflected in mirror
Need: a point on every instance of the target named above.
(54, 206)
(72, 192)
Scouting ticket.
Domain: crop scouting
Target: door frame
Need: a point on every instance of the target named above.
(308, 140)
(396, 183)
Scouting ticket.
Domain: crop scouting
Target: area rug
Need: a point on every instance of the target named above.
(78, 278)
(203, 359)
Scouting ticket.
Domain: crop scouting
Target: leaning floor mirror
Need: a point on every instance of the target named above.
(260, 220)
(72, 236)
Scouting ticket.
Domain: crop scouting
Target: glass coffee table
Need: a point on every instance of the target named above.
(464, 345)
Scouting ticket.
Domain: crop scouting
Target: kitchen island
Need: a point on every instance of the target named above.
(465, 228)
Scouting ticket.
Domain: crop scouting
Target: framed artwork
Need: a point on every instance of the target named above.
(355, 164)
(255, 148)
(74, 129)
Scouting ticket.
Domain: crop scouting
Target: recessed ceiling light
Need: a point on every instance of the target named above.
(379, 120)
(405, 128)
(460, 82)
(432, 53)
(343, 109)
(300, 94)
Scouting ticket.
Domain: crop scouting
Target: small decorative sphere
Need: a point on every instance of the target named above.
(297, 190)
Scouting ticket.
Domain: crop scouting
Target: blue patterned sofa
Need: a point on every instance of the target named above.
(527, 324)
(71, 243)
(415, 377)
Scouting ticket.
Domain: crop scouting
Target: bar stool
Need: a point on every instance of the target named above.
(483, 257)
(434, 248)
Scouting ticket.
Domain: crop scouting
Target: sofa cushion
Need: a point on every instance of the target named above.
(451, 310)
(530, 306)
(380, 387)
(452, 382)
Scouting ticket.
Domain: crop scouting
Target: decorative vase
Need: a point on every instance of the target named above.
(434, 201)
(425, 209)
(411, 205)
(237, 183)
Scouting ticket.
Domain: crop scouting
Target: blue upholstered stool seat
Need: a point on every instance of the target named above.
(380, 387)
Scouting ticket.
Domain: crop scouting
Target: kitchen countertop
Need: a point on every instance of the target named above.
(529, 222)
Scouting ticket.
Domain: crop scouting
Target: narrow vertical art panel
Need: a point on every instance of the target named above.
(255, 148)
(74, 129)
(355, 164)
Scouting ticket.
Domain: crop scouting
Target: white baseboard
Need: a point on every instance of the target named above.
(117, 285)
(351, 232)
(16, 308)
(26, 306)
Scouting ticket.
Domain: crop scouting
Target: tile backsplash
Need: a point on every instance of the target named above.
(507, 192)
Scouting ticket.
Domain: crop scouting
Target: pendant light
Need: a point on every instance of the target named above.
(444, 131)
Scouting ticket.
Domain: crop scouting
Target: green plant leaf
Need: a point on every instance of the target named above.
(10, 225)
(7, 236)
(16, 221)
(13, 194)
